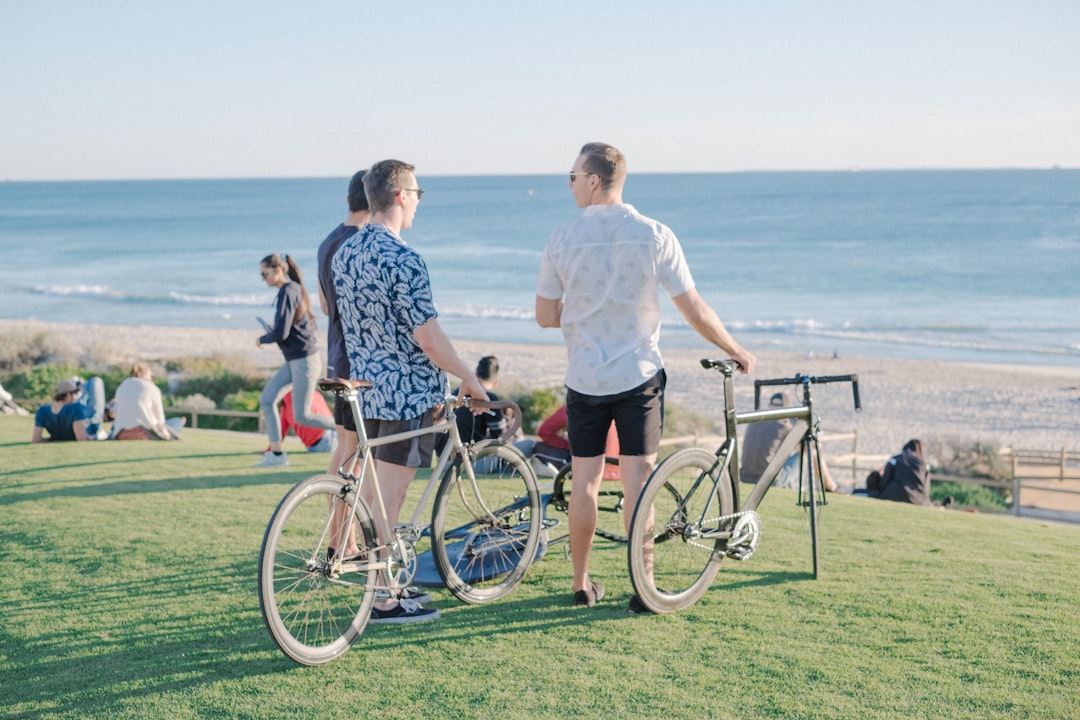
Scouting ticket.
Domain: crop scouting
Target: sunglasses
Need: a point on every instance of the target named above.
(418, 191)
(573, 175)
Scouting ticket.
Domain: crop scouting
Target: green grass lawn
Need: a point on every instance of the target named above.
(128, 589)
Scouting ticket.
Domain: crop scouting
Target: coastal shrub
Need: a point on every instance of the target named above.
(537, 405)
(969, 495)
(38, 383)
(214, 377)
(26, 347)
(977, 460)
(244, 400)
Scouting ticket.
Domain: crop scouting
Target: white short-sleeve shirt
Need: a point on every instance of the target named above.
(608, 267)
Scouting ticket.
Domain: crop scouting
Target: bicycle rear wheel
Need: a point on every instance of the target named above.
(610, 510)
(314, 606)
(687, 497)
(485, 535)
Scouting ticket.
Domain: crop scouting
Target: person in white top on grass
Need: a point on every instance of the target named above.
(599, 281)
(138, 406)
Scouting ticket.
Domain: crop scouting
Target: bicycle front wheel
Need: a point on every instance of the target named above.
(314, 605)
(674, 552)
(485, 535)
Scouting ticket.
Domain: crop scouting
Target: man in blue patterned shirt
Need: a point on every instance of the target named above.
(394, 340)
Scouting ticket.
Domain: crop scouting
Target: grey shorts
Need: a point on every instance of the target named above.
(638, 415)
(414, 452)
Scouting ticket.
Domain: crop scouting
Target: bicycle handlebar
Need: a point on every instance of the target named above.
(728, 367)
(515, 417)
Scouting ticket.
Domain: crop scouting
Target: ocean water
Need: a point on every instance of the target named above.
(977, 266)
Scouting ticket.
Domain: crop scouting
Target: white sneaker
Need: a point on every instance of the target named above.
(272, 460)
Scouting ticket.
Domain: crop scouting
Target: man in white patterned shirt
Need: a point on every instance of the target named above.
(600, 278)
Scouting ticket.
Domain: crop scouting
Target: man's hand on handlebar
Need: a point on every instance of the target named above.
(472, 387)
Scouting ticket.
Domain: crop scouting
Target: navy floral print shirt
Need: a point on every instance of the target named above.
(383, 295)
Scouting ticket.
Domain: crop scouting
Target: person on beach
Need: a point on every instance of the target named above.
(337, 359)
(760, 443)
(139, 411)
(294, 332)
(905, 478)
(394, 340)
(599, 281)
(66, 418)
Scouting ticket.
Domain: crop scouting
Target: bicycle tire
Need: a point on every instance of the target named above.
(314, 610)
(609, 518)
(484, 541)
(679, 491)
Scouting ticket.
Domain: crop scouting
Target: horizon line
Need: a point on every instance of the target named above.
(851, 169)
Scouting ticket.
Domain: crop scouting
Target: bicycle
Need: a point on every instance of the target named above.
(485, 532)
(610, 505)
(687, 514)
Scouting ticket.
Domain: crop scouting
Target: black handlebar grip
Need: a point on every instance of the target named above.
(855, 391)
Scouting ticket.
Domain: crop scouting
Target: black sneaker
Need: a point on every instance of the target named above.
(591, 596)
(406, 611)
(636, 607)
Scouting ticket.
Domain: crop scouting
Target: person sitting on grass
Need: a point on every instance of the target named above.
(905, 478)
(315, 439)
(760, 443)
(140, 413)
(65, 418)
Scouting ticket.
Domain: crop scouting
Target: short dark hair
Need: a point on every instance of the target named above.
(357, 198)
(384, 181)
(488, 368)
(606, 162)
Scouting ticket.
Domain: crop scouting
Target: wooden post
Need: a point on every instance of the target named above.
(1016, 485)
(855, 458)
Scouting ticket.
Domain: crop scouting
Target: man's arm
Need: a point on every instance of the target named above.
(548, 312)
(705, 320)
(79, 427)
(38, 435)
(437, 346)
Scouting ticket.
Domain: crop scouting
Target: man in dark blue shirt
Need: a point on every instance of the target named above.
(63, 418)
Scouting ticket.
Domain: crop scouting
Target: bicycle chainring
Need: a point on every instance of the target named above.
(745, 536)
(403, 562)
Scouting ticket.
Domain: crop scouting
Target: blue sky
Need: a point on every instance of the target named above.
(194, 89)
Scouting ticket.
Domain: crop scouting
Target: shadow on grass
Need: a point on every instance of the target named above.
(98, 463)
(113, 661)
(511, 616)
(241, 478)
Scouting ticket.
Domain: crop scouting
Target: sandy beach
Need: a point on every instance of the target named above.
(1028, 407)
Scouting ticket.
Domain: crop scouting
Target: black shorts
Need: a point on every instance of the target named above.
(414, 452)
(343, 414)
(638, 415)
